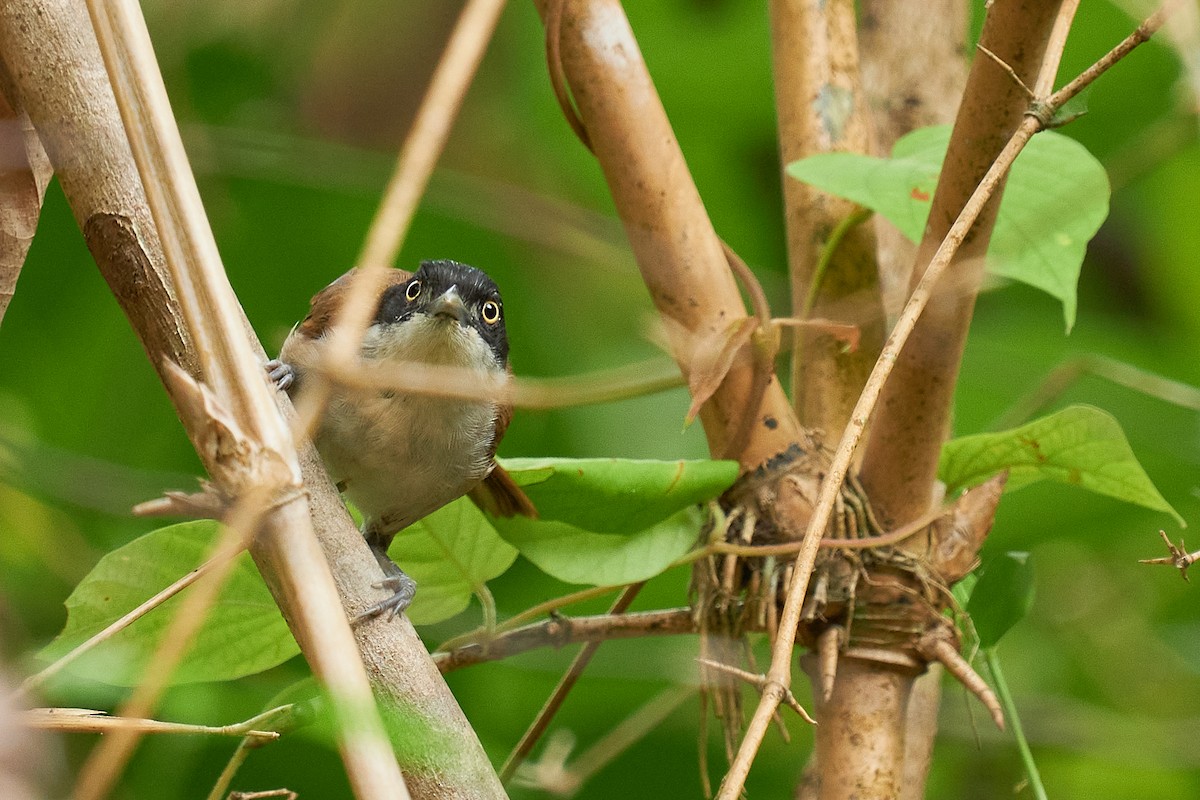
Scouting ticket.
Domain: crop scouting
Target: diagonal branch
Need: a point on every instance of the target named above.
(680, 256)
(49, 51)
(779, 675)
(560, 631)
(267, 462)
(559, 695)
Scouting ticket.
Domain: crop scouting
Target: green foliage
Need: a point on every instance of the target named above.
(1054, 201)
(293, 113)
(1002, 596)
(450, 554)
(1081, 445)
(617, 495)
(604, 522)
(611, 521)
(577, 555)
(242, 634)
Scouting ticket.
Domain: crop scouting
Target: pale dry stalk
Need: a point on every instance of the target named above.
(267, 465)
(76, 117)
(419, 154)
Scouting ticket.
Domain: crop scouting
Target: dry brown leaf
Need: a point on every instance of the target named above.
(24, 173)
(711, 359)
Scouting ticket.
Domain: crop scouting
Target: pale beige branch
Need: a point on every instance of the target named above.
(84, 720)
(680, 256)
(61, 85)
(267, 462)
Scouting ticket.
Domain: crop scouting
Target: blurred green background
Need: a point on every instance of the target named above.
(293, 110)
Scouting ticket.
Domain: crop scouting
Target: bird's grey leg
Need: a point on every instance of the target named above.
(280, 373)
(394, 578)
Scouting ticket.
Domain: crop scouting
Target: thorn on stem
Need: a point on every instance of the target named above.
(936, 646)
(828, 645)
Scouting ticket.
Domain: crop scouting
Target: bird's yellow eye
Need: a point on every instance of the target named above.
(413, 291)
(491, 312)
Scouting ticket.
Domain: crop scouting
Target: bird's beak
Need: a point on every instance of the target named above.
(449, 306)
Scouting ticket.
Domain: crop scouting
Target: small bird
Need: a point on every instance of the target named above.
(397, 456)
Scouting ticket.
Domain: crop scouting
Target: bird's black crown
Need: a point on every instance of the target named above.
(478, 291)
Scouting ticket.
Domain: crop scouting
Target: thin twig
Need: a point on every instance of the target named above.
(552, 774)
(234, 377)
(553, 703)
(1065, 374)
(779, 675)
(483, 635)
(562, 631)
(38, 679)
(937, 646)
(283, 719)
(867, 543)
(441, 380)
(632, 729)
(759, 682)
(430, 129)
(105, 763)
(1180, 558)
(1056, 44)
(1140, 36)
(84, 720)
(1004, 65)
(558, 78)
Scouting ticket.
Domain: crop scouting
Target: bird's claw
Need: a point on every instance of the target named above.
(280, 373)
(403, 589)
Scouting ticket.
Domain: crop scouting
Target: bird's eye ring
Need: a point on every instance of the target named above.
(413, 291)
(491, 312)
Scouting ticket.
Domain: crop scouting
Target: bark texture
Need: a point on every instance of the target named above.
(679, 254)
(822, 109)
(50, 56)
(914, 68)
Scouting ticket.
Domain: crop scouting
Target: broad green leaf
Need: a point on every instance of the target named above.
(611, 521)
(1079, 445)
(1055, 199)
(1002, 596)
(576, 555)
(450, 554)
(243, 633)
(610, 495)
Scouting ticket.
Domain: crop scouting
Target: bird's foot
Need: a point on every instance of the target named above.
(280, 373)
(403, 589)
